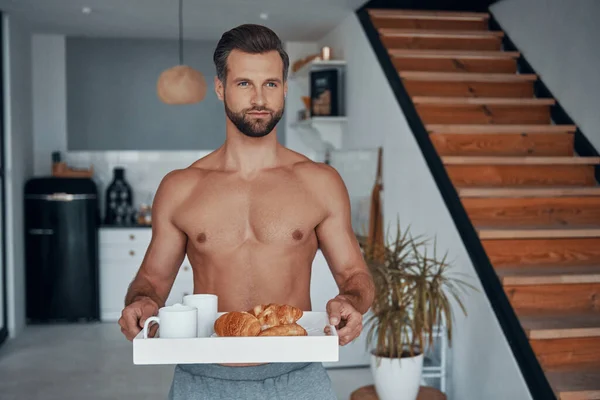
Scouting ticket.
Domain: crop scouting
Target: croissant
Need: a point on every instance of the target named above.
(271, 315)
(237, 323)
(284, 330)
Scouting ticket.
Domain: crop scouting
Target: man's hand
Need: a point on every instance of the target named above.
(135, 315)
(346, 319)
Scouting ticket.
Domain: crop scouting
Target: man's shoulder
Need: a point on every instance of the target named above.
(192, 173)
(179, 183)
(174, 189)
(318, 174)
(183, 176)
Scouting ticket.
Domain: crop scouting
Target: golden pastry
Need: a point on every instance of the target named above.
(284, 330)
(237, 323)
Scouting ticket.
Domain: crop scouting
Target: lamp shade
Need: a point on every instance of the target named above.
(181, 85)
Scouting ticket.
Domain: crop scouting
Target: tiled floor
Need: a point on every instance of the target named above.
(94, 362)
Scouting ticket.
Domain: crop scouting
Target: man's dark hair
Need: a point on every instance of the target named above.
(249, 38)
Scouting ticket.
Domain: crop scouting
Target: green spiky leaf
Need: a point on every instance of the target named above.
(414, 292)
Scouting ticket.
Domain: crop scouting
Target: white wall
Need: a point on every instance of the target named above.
(293, 102)
(482, 365)
(49, 99)
(560, 41)
(19, 159)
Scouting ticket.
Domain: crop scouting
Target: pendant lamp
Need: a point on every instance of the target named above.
(181, 84)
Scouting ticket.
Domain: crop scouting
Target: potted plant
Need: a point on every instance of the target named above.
(413, 290)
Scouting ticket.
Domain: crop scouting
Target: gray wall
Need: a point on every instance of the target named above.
(481, 365)
(19, 160)
(112, 102)
(49, 99)
(560, 40)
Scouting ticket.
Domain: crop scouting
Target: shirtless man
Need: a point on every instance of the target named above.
(251, 216)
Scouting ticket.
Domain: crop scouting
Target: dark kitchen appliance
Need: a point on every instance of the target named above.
(61, 250)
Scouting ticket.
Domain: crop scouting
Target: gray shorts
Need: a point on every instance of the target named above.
(276, 381)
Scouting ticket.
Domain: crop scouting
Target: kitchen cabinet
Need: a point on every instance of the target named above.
(121, 253)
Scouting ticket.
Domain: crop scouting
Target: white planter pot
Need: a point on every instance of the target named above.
(397, 378)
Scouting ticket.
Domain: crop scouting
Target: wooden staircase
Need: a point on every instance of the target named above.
(535, 203)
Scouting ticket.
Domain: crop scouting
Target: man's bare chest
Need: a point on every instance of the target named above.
(229, 214)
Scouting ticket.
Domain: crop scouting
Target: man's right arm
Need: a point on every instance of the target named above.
(151, 286)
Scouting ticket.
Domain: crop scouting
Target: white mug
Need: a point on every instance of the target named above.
(207, 306)
(176, 321)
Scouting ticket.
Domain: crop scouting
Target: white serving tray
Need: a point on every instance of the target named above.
(316, 347)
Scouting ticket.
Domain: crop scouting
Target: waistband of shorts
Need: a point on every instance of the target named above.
(247, 373)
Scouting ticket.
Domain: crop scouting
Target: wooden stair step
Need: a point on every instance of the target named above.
(453, 15)
(447, 109)
(458, 101)
(454, 54)
(527, 175)
(575, 383)
(474, 160)
(497, 129)
(503, 144)
(454, 61)
(462, 87)
(565, 352)
(466, 77)
(484, 113)
(520, 89)
(564, 338)
(561, 326)
(546, 299)
(526, 171)
(519, 276)
(541, 212)
(528, 192)
(543, 252)
(443, 34)
(538, 233)
(428, 20)
(441, 39)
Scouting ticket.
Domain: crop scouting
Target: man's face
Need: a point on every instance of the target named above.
(254, 94)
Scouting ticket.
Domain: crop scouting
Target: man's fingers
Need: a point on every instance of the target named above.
(350, 332)
(147, 311)
(134, 317)
(334, 309)
(349, 337)
(131, 317)
(352, 329)
(353, 321)
(152, 330)
(130, 335)
(129, 323)
(347, 321)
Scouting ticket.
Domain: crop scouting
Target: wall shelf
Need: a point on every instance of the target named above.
(322, 133)
(315, 121)
(316, 64)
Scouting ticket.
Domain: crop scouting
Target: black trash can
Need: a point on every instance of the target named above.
(61, 250)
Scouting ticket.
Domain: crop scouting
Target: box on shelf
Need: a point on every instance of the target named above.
(316, 347)
(327, 93)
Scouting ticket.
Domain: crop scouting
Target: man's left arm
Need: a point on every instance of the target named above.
(344, 257)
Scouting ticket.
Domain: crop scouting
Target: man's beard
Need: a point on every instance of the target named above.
(256, 128)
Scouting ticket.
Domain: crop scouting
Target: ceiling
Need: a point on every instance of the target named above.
(295, 20)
